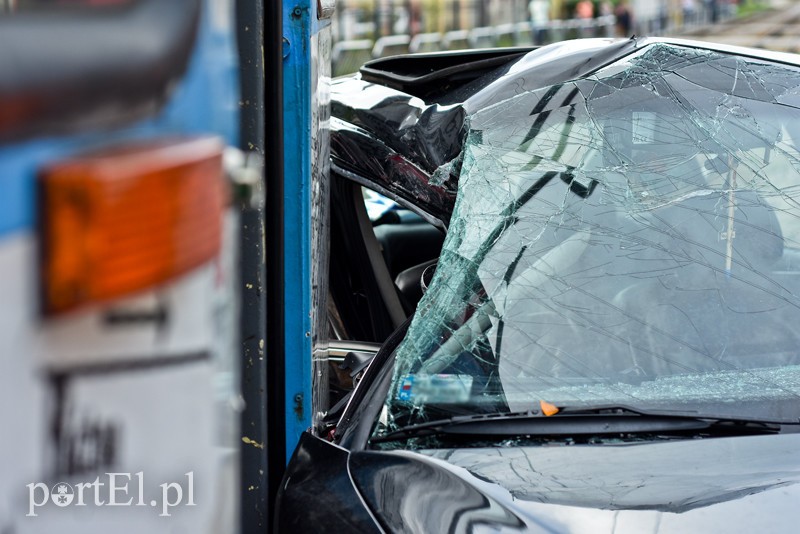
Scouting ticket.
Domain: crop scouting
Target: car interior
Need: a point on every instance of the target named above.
(375, 282)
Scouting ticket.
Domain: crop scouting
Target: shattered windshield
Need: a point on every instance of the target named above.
(632, 237)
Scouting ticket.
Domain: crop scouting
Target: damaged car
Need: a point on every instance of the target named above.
(585, 292)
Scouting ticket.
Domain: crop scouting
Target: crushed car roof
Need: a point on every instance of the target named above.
(400, 124)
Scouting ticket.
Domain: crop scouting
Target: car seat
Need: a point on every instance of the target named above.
(714, 304)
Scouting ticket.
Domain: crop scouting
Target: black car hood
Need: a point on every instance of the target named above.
(741, 484)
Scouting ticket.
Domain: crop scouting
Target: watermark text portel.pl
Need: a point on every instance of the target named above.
(117, 490)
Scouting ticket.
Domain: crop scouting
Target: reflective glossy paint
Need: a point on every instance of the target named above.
(719, 485)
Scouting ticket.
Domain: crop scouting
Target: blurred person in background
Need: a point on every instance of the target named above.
(540, 16)
(416, 17)
(689, 8)
(712, 9)
(584, 10)
(624, 19)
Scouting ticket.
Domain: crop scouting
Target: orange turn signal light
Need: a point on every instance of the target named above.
(127, 219)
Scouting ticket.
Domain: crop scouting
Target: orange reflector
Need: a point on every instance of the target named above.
(127, 219)
(547, 408)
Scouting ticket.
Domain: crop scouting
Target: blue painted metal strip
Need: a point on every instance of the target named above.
(17, 194)
(297, 27)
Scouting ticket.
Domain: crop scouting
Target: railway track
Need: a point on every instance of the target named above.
(777, 29)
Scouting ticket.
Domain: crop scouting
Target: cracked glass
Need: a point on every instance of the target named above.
(632, 237)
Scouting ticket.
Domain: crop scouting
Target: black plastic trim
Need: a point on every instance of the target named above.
(274, 224)
(425, 75)
(368, 398)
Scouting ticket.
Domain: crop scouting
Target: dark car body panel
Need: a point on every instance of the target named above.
(317, 491)
(396, 144)
(743, 484)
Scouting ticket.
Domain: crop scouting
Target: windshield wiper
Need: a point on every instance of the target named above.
(601, 420)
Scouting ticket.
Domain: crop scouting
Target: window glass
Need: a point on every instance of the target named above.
(627, 239)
